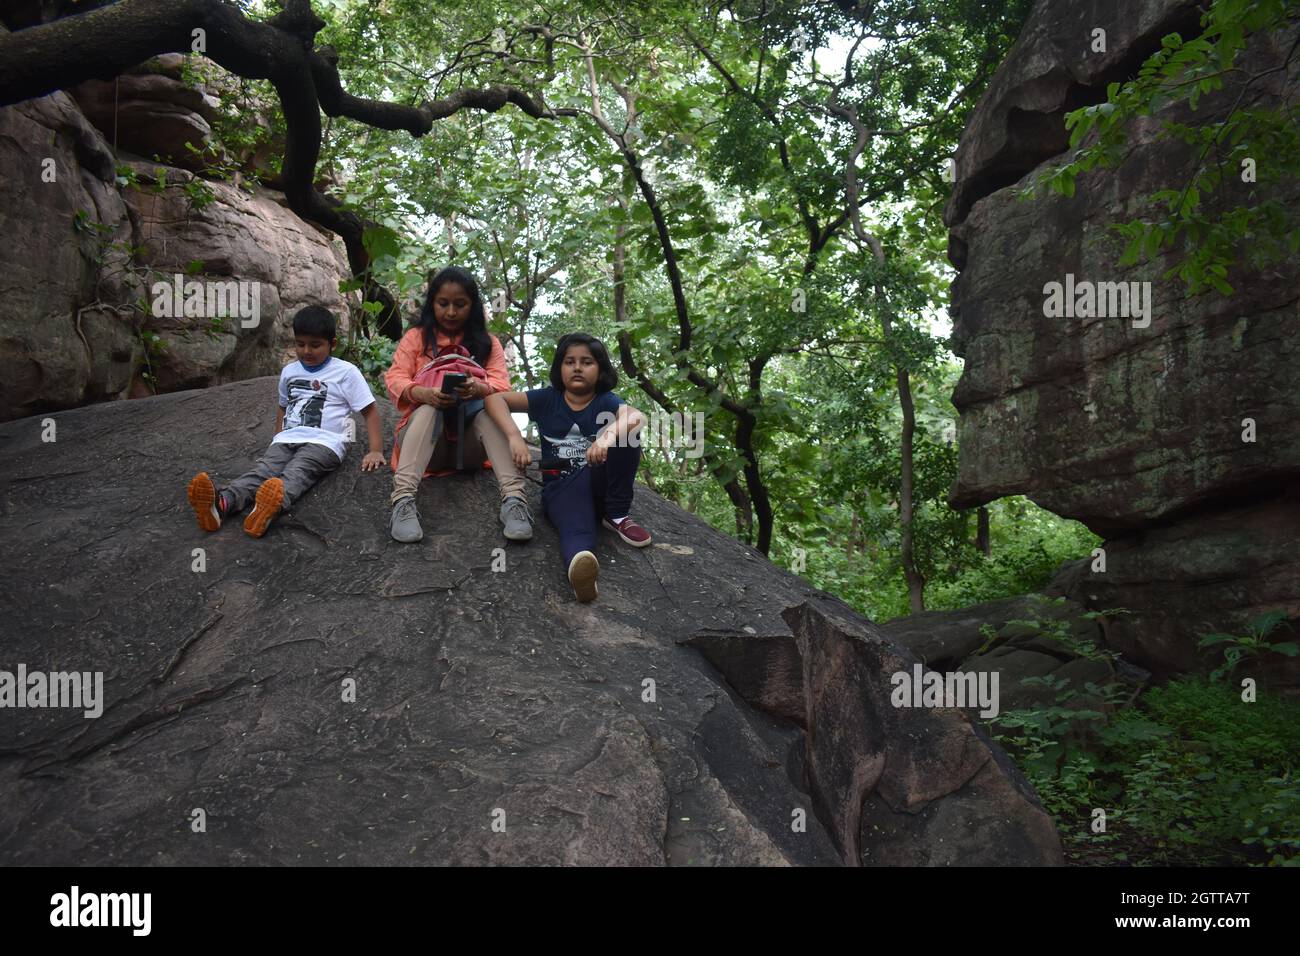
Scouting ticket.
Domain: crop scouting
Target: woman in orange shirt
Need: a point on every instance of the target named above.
(451, 322)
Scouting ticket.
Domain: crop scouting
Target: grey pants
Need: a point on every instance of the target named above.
(299, 466)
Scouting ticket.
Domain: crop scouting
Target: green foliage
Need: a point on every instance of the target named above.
(1029, 546)
(1238, 648)
(1188, 774)
(1227, 210)
(373, 355)
(743, 152)
(154, 349)
(198, 194)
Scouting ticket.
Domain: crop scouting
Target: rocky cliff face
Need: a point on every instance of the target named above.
(708, 708)
(91, 232)
(1135, 431)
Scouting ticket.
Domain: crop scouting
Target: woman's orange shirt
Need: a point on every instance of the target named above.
(411, 356)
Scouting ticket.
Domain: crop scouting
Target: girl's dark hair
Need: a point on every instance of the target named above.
(607, 378)
(474, 332)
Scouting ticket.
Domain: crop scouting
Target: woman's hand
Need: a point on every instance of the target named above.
(520, 453)
(432, 396)
(473, 388)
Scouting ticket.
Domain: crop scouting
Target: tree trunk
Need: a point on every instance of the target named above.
(915, 580)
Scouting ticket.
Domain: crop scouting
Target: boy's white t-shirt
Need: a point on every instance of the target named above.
(317, 405)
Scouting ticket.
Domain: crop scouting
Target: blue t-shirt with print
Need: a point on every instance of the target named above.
(566, 433)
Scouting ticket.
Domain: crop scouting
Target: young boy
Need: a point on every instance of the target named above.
(318, 394)
(592, 430)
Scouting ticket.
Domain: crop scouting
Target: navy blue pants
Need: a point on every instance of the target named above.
(576, 502)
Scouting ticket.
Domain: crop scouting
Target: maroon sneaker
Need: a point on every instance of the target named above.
(629, 531)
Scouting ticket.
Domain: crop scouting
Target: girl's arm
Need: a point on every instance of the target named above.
(617, 432)
(498, 407)
(498, 375)
(628, 421)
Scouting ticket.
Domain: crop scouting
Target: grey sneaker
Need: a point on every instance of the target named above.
(517, 519)
(406, 521)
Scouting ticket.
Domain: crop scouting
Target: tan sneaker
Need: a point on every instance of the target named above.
(270, 498)
(582, 575)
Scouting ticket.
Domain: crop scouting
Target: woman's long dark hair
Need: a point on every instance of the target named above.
(474, 332)
(607, 377)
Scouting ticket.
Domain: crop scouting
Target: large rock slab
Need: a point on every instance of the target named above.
(66, 332)
(1195, 578)
(895, 786)
(484, 692)
(77, 323)
(151, 111)
(247, 236)
(1025, 639)
(1135, 431)
(1054, 68)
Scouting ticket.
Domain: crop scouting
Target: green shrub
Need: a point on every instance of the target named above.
(372, 355)
(1191, 774)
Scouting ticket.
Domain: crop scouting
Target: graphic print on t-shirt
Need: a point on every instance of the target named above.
(572, 446)
(306, 400)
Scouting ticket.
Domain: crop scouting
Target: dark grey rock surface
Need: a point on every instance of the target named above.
(481, 695)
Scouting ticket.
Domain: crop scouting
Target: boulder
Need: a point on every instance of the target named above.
(708, 708)
(229, 233)
(1194, 578)
(1039, 637)
(92, 247)
(67, 316)
(1136, 431)
(152, 113)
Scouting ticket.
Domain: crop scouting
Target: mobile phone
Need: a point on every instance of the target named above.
(453, 381)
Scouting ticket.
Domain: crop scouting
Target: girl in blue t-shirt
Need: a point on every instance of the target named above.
(590, 452)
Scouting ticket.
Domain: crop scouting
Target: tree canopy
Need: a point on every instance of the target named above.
(743, 198)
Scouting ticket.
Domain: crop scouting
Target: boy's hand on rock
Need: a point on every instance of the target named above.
(519, 452)
(373, 460)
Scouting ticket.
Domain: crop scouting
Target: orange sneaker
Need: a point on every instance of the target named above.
(203, 499)
(270, 498)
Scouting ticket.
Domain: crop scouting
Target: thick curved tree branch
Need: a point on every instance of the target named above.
(105, 42)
